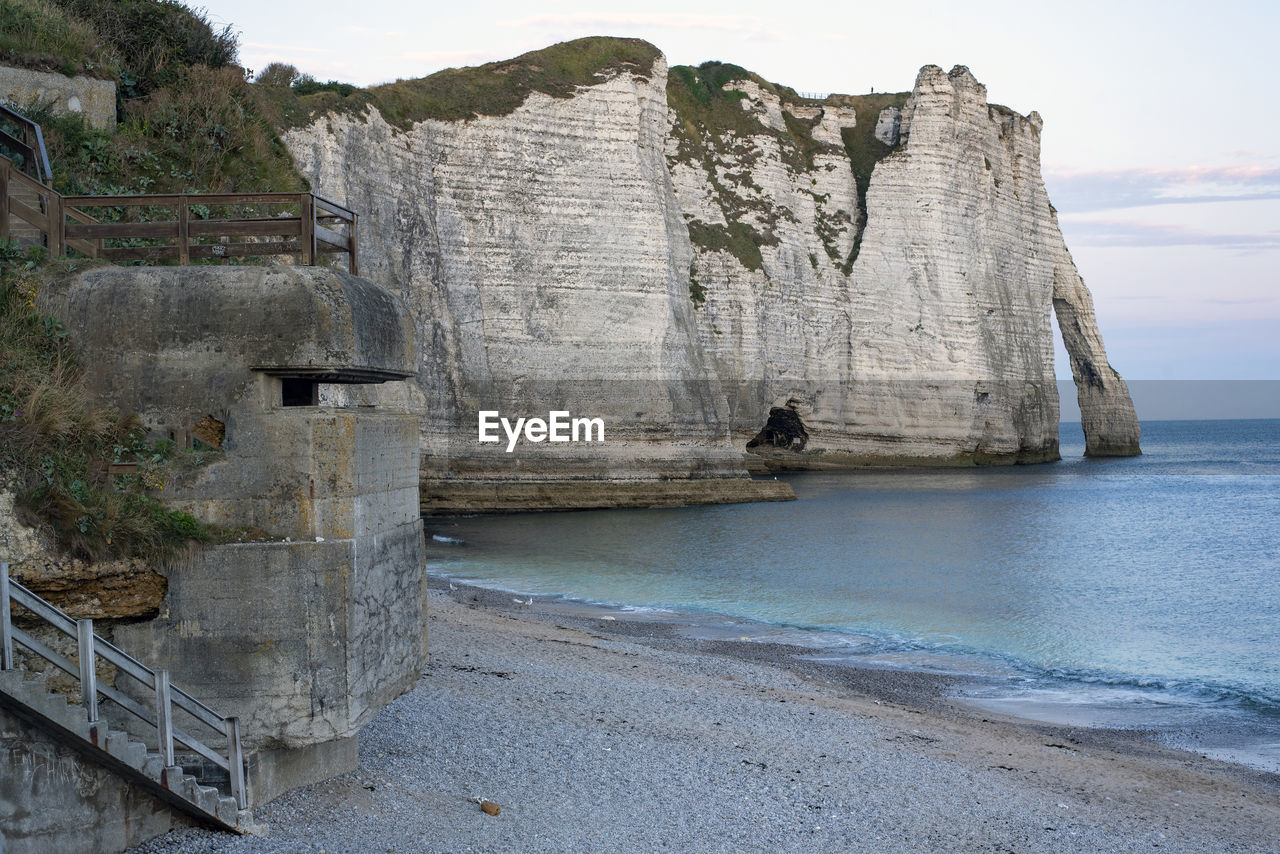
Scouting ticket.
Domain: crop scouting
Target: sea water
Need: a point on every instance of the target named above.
(1141, 592)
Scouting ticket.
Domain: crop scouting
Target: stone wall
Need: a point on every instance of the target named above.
(93, 98)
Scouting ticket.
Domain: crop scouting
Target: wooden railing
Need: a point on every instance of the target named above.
(22, 138)
(305, 226)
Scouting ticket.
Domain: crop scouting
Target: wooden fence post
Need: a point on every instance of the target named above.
(308, 237)
(57, 226)
(164, 717)
(353, 265)
(184, 251)
(5, 166)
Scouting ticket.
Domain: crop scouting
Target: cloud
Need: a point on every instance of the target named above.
(748, 26)
(1241, 301)
(1094, 190)
(445, 58)
(369, 31)
(1140, 234)
(286, 48)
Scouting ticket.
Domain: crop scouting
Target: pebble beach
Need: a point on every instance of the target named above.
(592, 733)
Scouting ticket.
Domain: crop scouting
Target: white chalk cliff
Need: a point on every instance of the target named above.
(547, 255)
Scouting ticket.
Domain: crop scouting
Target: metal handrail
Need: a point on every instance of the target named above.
(90, 648)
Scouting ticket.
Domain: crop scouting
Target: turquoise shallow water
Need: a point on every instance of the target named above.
(1156, 578)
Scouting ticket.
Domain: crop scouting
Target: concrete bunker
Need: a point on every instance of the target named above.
(308, 632)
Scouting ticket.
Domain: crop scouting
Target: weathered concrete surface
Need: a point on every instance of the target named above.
(170, 342)
(53, 801)
(277, 771)
(88, 96)
(306, 639)
(307, 634)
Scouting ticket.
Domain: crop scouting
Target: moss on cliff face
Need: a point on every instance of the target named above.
(860, 142)
(713, 130)
(494, 89)
(864, 149)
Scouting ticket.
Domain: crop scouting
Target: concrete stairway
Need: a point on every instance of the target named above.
(29, 700)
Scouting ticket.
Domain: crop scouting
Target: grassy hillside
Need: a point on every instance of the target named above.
(56, 444)
(41, 35)
(494, 89)
(189, 120)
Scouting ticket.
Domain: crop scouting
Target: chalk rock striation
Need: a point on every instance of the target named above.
(544, 258)
(713, 265)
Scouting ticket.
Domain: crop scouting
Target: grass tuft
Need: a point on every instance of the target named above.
(41, 35)
(56, 444)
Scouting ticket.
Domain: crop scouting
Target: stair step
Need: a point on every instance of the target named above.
(171, 778)
(52, 706)
(189, 788)
(118, 745)
(226, 810)
(11, 681)
(135, 754)
(207, 799)
(153, 765)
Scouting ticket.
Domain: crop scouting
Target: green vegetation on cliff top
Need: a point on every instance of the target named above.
(860, 142)
(40, 35)
(494, 89)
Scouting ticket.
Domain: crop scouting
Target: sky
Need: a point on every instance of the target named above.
(1160, 149)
